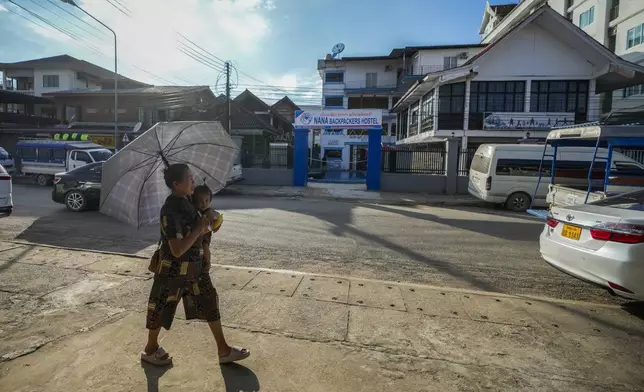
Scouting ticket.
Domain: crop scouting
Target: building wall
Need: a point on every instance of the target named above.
(427, 61)
(100, 108)
(533, 52)
(412, 183)
(355, 73)
(66, 79)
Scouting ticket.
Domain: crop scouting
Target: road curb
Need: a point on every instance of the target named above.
(332, 276)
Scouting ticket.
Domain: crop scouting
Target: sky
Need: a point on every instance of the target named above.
(273, 45)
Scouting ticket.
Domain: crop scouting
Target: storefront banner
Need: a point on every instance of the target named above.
(350, 118)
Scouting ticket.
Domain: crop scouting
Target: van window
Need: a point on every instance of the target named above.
(522, 167)
(44, 154)
(628, 168)
(481, 163)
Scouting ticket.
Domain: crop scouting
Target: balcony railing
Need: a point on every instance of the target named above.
(516, 121)
(425, 69)
(27, 92)
(25, 119)
(363, 85)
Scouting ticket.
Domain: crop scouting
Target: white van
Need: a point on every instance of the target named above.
(7, 161)
(508, 173)
(6, 203)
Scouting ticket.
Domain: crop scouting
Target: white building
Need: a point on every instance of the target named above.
(542, 72)
(378, 82)
(52, 74)
(616, 24)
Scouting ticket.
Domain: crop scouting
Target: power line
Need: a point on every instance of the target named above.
(77, 40)
(75, 16)
(118, 8)
(58, 28)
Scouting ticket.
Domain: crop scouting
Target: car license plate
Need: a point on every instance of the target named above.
(572, 232)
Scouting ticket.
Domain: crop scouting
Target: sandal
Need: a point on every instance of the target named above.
(236, 354)
(156, 358)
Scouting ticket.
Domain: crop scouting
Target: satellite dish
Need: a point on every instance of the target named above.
(137, 126)
(337, 49)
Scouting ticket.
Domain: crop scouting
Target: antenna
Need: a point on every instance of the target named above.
(337, 49)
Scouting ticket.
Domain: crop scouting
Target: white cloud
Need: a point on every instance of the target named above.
(3, 8)
(147, 39)
(303, 87)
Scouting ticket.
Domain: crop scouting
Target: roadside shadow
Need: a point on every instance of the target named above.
(15, 258)
(513, 231)
(89, 230)
(239, 378)
(153, 374)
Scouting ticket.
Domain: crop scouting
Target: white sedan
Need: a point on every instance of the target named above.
(600, 242)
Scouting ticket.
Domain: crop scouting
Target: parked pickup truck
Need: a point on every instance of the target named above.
(44, 158)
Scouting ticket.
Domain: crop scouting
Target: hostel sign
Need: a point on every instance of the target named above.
(338, 119)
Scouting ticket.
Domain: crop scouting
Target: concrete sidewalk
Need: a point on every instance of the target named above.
(350, 192)
(74, 321)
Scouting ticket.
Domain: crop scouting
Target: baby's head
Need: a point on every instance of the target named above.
(201, 197)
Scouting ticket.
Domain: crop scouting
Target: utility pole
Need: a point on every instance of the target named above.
(228, 118)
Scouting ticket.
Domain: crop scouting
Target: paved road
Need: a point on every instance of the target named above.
(477, 248)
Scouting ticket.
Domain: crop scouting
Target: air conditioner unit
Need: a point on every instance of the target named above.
(388, 68)
(463, 55)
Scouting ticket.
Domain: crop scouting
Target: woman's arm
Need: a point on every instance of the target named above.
(177, 243)
(180, 246)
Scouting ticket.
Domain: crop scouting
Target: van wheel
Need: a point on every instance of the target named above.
(42, 180)
(518, 202)
(75, 201)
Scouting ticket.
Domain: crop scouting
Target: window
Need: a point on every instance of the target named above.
(522, 167)
(59, 154)
(334, 77)
(634, 36)
(82, 156)
(28, 153)
(633, 90)
(44, 154)
(629, 167)
(427, 111)
(629, 201)
(101, 155)
(450, 62)
(414, 114)
(372, 79)
(587, 17)
(451, 98)
(481, 164)
(333, 101)
(50, 81)
(497, 97)
(559, 96)
(403, 123)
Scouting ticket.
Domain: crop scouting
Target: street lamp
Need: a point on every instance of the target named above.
(116, 96)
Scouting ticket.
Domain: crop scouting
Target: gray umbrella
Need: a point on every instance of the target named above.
(133, 189)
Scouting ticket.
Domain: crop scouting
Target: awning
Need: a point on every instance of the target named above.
(7, 96)
(421, 138)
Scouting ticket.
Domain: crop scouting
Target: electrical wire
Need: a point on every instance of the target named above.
(118, 8)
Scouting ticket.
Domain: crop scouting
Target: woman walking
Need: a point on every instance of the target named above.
(180, 274)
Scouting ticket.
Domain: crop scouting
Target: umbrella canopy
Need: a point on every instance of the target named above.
(133, 189)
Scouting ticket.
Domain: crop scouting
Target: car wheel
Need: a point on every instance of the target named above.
(42, 180)
(518, 202)
(75, 201)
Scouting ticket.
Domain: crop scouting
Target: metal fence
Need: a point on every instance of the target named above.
(277, 157)
(635, 154)
(465, 157)
(416, 161)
